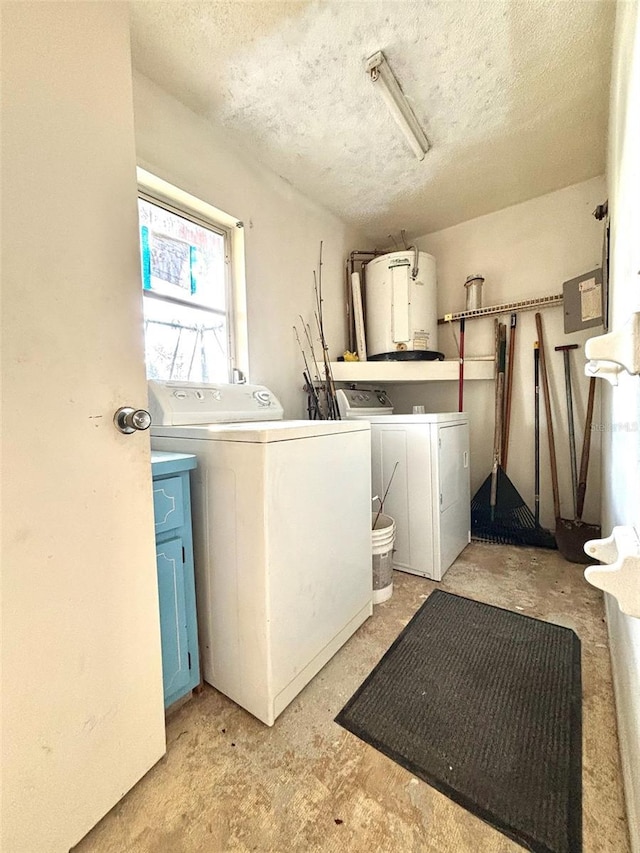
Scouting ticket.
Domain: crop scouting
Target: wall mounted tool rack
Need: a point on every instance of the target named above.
(505, 308)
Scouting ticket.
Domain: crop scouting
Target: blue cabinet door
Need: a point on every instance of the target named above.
(176, 582)
(176, 660)
(168, 504)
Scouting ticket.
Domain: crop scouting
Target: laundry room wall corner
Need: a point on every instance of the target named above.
(525, 251)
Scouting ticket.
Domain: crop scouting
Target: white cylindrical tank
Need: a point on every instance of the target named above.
(401, 309)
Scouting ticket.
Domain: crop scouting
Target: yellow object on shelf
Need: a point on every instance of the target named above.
(351, 356)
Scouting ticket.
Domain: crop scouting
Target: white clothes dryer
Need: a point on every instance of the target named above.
(429, 498)
(282, 536)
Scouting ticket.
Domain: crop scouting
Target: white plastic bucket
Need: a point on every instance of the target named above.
(382, 538)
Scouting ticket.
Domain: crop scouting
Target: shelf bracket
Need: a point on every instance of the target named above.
(620, 577)
(610, 354)
(607, 370)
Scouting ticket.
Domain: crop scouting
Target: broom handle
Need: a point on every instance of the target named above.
(499, 404)
(461, 368)
(497, 440)
(536, 420)
(502, 367)
(547, 411)
(509, 382)
(586, 444)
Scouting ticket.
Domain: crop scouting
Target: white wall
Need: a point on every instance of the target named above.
(524, 251)
(283, 231)
(621, 450)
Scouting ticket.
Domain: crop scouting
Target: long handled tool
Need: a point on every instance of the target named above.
(580, 532)
(570, 534)
(461, 367)
(498, 513)
(547, 408)
(565, 350)
(586, 445)
(536, 420)
(509, 391)
(499, 407)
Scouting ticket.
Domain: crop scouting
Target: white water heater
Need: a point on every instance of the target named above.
(401, 307)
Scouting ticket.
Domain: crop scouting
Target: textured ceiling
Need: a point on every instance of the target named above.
(512, 95)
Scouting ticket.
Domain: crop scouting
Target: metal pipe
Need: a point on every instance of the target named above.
(415, 270)
(349, 270)
(374, 253)
(348, 295)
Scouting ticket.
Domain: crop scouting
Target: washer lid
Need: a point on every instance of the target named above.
(260, 432)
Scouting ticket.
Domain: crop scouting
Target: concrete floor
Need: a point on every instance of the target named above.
(229, 783)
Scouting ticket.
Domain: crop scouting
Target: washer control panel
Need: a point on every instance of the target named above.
(359, 402)
(175, 403)
(263, 397)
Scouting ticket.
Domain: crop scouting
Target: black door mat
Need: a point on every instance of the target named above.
(486, 706)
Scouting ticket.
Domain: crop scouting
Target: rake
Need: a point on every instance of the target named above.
(498, 512)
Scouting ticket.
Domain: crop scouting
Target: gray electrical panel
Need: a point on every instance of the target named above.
(583, 301)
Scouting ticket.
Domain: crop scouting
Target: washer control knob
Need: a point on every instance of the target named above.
(129, 420)
(263, 397)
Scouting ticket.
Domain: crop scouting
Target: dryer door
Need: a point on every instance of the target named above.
(453, 476)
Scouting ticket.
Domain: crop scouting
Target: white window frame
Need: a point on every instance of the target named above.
(161, 192)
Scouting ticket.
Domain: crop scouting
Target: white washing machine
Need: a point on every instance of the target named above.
(429, 497)
(282, 536)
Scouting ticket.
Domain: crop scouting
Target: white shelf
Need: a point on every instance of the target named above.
(399, 372)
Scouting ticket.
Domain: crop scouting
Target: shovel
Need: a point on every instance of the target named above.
(586, 531)
(571, 535)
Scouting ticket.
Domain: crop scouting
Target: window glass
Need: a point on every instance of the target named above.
(184, 279)
(183, 342)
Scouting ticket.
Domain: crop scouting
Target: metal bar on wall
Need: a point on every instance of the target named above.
(507, 307)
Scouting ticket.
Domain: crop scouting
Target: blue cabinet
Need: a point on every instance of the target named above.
(176, 584)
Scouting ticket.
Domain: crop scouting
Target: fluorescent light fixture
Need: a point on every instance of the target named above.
(381, 74)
